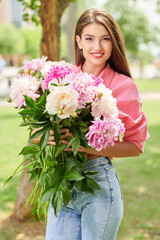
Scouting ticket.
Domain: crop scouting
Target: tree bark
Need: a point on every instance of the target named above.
(50, 16)
(21, 212)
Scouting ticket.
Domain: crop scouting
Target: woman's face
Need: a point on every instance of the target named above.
(96, 44)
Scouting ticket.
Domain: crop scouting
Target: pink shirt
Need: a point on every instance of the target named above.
(129, 105)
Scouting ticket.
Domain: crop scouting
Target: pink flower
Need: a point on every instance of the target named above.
(26, 85)
(104, 133)
(82, 83)
(34, 65)
(96, 80)
(58, 73)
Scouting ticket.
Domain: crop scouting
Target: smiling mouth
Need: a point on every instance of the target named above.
(97, 55)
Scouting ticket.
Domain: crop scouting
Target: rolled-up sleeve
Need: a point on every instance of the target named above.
(129, 105)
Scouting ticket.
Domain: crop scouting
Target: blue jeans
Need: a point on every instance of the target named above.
(90, 216)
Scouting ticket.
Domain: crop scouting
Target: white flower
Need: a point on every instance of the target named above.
(105, 104)
(63, 101)
(64, 82)
(25, 85)
(45, 69)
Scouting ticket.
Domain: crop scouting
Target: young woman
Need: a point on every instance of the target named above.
(99, 49)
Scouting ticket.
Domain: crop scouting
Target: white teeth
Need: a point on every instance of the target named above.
(97, 54)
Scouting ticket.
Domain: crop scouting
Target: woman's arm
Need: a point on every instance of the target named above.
(122, 149)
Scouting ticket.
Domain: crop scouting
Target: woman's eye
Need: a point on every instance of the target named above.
(88, 39)
(106, 39)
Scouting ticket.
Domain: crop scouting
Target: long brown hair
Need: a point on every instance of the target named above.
(117, 60)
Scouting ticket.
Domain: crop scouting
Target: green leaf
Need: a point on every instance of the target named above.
(66, 123)
(75, 146)
(44, 138)
(29, 149)
(57, 176)
(29, 102)
(60, 149)
(57, 134)
(23, 124)
(57, 201)
(37, 134)
(47, 194)
(45, 179)
(121, 137)
(66, 195)
(74, 176)
(42, 100)
(71, 142)
(91, 183)
(27, 113)
(90, 172)
(68, 167)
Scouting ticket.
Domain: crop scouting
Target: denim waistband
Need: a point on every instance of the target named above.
(95, 162)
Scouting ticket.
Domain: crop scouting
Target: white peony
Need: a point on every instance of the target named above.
(25, 85)
(46, 67)
(105, 104)
(64, 82)
(63, 101)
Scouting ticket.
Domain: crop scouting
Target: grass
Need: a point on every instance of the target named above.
(139, 178)
(146, 85)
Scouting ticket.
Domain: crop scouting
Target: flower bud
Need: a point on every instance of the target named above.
(60, 112)
(74, 115)
(52, 119)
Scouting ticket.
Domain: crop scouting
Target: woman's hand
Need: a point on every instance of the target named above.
(64, 133)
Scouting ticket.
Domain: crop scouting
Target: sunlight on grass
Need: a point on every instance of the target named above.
(148, 84)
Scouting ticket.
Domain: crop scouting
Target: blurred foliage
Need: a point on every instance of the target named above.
(24, 41)
(137, 31)
(32, 39)
(11, 41)
(32, 10)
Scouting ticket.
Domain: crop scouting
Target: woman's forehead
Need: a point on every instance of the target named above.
(95, 29)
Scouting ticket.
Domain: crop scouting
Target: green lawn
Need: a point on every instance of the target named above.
(139, 176)
(146, 85)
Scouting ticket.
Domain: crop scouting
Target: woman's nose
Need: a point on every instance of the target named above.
(97, 45)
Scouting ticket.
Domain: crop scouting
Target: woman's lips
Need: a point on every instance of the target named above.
(97, 55)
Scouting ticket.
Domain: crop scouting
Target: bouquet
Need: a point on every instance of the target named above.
(51, 96)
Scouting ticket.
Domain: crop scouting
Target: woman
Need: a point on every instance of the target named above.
(99, 49)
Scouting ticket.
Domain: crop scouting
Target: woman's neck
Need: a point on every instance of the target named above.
(92, 69)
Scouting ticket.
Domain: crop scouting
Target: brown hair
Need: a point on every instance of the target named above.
(117, 60)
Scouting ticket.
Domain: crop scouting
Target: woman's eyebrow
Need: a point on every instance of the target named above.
(90, 35)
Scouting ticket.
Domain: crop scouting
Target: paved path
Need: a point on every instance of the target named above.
(143, 95)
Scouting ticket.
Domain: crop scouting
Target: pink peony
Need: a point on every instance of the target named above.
(34, 65)
(58, 73)
(82, 83)
(104, 133)
(96, 80)
(26, 85)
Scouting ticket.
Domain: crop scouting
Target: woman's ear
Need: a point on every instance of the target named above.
(78, 40)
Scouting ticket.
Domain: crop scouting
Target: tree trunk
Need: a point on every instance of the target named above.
(21, 212)
(50, 16)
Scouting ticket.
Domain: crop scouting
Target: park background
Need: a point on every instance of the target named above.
(139, 176)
